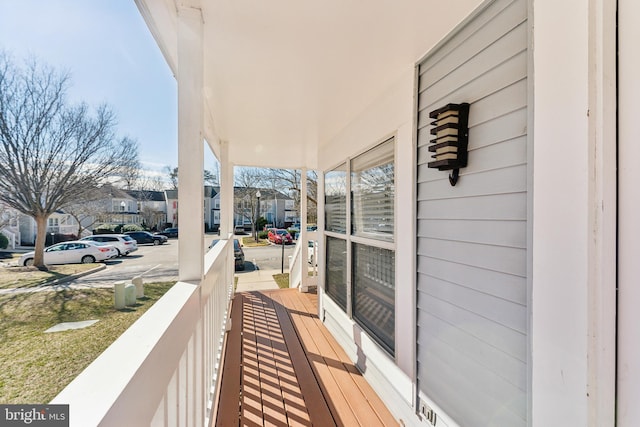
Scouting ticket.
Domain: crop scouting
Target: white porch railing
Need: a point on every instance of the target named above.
(297, 262)
(163, 370)
(299, 274)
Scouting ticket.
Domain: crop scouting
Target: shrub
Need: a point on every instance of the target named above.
(263, 234)
(4, 242)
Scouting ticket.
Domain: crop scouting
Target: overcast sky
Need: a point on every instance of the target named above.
(112, 58)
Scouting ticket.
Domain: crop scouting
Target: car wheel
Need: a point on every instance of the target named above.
(119, 254)
(28, 262)
(156, 242)
(87, 259)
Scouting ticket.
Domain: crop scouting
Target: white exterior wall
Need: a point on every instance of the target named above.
(573, 265)
(559, 296)
(629, 227)
(391, 114)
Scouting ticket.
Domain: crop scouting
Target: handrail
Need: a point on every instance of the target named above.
(295, 266)
(163, 370)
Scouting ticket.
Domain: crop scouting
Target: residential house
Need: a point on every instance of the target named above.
(10, 225)
(509, 298)
(117, 206)
(276, 208)
(209, 202)
(171, 198)
(209, 194)
(151, 207)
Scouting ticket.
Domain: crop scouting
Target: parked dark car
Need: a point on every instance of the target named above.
(169, 232)
(238, 254)
(146, 237)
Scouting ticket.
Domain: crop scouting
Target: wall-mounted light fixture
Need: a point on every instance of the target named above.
(451, 131)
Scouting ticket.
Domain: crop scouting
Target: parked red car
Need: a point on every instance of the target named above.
(277, 235)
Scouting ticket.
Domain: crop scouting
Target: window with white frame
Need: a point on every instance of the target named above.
(336, 279)
(335, 199)
(372, 192)
(359, 245)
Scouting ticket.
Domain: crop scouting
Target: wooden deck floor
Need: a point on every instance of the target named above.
(283, 368)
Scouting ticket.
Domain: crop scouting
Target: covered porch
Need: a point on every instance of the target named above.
(429, 289)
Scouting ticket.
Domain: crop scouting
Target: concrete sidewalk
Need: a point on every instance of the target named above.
(257, 280)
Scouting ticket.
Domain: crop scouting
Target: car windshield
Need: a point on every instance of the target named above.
(236, 245)
(283, 232)
(127, 238)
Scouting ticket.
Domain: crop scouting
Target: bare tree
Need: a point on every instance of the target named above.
(52, 154)
(88, 212)
(148, 182)
(130, 169)
(290, 181)
(173, 176)
(209, 177)
(247, 183)
(6, 215)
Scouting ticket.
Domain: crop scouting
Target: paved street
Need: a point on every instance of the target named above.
(160, 264)
(153, 263)
(267, 257)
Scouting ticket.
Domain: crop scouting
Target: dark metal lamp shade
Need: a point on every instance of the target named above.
(451, 136)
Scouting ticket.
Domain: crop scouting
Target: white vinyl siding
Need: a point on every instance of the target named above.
(472, 238)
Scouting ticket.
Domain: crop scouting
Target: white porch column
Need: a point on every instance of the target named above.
(226, 191)
(190, 144)
(573, 213)
(304, 286)
(628, 410)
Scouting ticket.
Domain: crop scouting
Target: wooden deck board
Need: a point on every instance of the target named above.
(375, 402)
(344, 374)
(283, 368)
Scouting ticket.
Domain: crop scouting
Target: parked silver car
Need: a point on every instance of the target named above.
(123, 243)
(74, 252)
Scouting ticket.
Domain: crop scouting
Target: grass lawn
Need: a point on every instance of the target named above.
(36, 366)
(282, 280)
(250, 242)
(29, 277)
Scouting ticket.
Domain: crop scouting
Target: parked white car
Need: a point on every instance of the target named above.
(124, 244)
(113, 252)
(74, 252)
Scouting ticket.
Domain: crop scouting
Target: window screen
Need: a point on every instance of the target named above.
(335, 199)
(372, 188)
(336, 282)
(374, 292)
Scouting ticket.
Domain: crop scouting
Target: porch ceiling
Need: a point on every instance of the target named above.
(284, 77)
